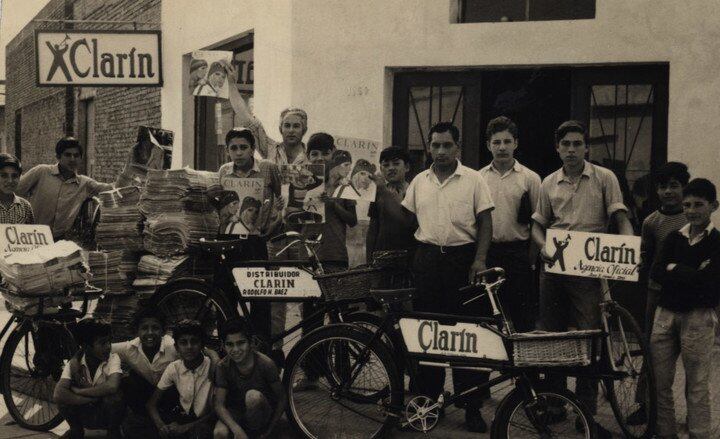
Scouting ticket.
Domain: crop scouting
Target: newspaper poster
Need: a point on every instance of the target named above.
(240, 203)
(208, 73)
(152, 150)
(352, 166)
(598, 255)
(17, 238)
(302, 189)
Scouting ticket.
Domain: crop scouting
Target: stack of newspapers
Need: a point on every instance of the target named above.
(154, 271)
(105, 268)
(120, 224)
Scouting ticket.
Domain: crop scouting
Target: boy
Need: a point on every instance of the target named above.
(671, 178)
(191, 377)
(87, 394)
(249, 398)
(688, 271)
(13, 209)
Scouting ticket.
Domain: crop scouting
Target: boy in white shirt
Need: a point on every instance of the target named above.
(88, 391)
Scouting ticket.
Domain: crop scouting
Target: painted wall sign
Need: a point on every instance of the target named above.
(278, 282)
(598, 255)
(459, 340)
(98, 58)
(16, 238)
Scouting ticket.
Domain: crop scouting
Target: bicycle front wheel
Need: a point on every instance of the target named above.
(31, 364)
(350, 386)
(632, 392)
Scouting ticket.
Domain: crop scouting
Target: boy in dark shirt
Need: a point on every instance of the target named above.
(688, 271)
(249, 398)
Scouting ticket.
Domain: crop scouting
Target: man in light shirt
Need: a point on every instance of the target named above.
(452, 204)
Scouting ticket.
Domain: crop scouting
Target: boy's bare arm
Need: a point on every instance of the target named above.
(109, 387)
(62, 394)
(281, 398)
(223, 413)
(153, 410)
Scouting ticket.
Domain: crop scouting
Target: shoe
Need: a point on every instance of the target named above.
(305, 385)
(474, 422)
(638, 417)
(600, 431)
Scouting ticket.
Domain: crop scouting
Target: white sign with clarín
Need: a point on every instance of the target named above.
(16, 238)
(98, 58)
(459, 340)
(278, 282)
(598, 255)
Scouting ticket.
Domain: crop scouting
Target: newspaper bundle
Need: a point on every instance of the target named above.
(154, 271)
(120, 225)
(105, 271)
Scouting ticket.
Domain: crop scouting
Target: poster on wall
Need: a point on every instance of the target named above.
(240, 204)
(352, 166)
(597, 255)
(153, 149)
(302, 189)
(208, 73)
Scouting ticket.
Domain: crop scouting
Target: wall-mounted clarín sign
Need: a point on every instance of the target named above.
(98, 58)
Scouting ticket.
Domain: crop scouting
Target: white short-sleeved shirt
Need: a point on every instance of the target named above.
(447, 212)
(507, 191)
(193, 386)
(102, 373)
(132, 354)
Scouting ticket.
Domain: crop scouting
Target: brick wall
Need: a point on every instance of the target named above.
(118, 110)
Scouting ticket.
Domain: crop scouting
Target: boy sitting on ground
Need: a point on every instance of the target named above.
(249, 398)
(191, 378)
(87, 394)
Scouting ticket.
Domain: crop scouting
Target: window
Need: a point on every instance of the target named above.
(18, 133)
(478, 11)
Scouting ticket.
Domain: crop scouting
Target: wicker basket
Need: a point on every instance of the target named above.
(573, 348)
(351, 284)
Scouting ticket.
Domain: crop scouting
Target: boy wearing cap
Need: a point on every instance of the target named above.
(13, 209)
(391, 226)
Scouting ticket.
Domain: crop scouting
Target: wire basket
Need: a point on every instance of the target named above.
(554, 349)
(351, 284)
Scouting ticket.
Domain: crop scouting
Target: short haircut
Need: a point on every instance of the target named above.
(670, 170)
(500, 124)
(147, 312)
(701, 188)
(444, 127)
(234, 326)
(10, 160)
(188, 327)
(296, 111)
(570, 126)
(67, 143)
(88, 330)
(321, 142)
(395, 152)
(240, 133)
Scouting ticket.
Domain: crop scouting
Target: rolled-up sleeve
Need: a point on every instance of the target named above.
(409, 201)
(543, 211)
(613, 194)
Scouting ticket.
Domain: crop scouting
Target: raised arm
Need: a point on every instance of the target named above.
(243, 117)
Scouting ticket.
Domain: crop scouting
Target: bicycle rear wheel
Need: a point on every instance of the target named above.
(633, 390)
(355, 394)
(31, 363)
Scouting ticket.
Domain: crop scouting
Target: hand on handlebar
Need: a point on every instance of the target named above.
(475, 268)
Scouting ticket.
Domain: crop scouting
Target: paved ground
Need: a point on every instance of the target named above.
(450, 427)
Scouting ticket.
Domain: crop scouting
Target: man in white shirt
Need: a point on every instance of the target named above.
(88, 394)
(452, 204)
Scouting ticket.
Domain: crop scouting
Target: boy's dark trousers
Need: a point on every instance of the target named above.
(518, 295)
(137, 393)
(255, 248)
(105, 414)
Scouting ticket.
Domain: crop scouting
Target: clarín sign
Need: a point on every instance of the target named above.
(98, 58)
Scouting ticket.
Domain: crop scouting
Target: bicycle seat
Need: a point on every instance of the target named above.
(220, 246)
(394, 295)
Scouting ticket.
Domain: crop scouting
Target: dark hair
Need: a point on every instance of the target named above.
(500, 124)
(395, 152)
(10, 160)
(570, 126)
(86, 331)
(188, 327)
(701, 188)
(216, 66)
(67, 143)
(147, 312)
(444, 127)
(234, 326)
(670, 170)
(240, 133)
(321, 142)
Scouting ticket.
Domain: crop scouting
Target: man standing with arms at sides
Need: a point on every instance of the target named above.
(452, 204)
(57, 192)
(514, 190)
(582, 197)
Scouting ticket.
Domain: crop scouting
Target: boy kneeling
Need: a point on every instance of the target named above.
(87, 393)
(249, 398)
(191, 378)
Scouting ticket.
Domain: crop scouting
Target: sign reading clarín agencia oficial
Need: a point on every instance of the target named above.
(98, 58)
(598, 255)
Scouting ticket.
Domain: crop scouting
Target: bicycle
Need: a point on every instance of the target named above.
(34, 355)
(360, 376)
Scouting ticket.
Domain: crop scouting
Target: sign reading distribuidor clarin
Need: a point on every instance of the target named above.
(98, 58)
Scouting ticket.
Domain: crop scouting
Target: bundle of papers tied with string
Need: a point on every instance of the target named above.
(120, 225)
(45, 270)
(176, 190)
(105, 270)
(154, 271)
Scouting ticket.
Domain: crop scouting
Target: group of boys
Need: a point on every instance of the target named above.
(172, 387)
